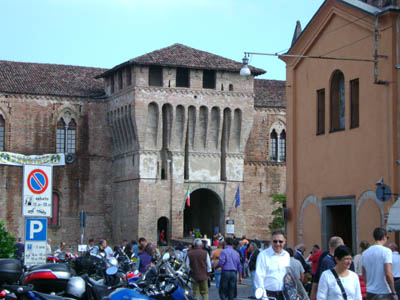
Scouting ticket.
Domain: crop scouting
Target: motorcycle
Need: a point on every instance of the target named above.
(164, 281)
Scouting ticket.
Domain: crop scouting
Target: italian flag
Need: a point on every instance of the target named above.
(187, 196)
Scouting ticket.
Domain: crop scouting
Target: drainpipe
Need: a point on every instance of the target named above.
(376, 55)
(397, 67)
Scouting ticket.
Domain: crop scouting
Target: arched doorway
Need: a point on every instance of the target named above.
(205, 213)
(162, 226)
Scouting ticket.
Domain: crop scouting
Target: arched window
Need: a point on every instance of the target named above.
(54, 220)
(337, 101)
(282, 146)
(71, 136)
(60, 143)
(273, 146)
(2, 133)
(66, 136)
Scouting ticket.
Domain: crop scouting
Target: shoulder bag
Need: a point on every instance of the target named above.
(340, 284)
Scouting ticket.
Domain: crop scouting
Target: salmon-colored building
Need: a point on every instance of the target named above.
(342, 121)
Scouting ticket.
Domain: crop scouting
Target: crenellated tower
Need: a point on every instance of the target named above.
(178, 117)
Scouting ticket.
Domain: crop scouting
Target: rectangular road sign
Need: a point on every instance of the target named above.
(36, 229)
(37, 191)
(35, 241)
(35, 253)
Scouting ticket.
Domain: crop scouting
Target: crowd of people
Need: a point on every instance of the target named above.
(328, 275)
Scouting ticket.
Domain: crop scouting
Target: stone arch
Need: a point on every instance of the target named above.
(166, 125)
(195, 187)
(214, 127)
(203, 124)
(311, 199)
(124, 137)
(276, 150)
(206, 211)
(163, 224)
(167, 119)
(5, 115)
(371, 195)
(278, 125)
(152, 125)
(67, 112)
(66, 135)
(180, 124)
(236, 131)
(225, 139)
(191, 130)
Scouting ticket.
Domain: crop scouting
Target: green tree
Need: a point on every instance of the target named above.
(278, 222)
(7, 241)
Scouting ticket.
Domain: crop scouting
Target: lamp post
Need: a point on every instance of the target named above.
(245, 71)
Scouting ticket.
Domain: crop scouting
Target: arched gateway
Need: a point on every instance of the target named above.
(206, 213)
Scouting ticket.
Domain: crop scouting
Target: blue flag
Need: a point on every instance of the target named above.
(237, 197)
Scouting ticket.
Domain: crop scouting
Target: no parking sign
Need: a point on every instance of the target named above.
(37, 191)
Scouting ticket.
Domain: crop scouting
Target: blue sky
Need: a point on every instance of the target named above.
(104, 33)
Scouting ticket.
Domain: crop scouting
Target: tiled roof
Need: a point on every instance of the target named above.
(50, 79)
(179, 55)
(269, 93)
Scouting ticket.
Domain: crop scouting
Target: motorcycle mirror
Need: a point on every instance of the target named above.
(112, 270)
(165, 257)
(259, 293)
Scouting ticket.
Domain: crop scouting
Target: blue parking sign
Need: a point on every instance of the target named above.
(36, 229)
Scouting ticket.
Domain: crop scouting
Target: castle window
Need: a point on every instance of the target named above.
(71, 137)
(354, 103)
(282, 146)
(54, 220)
(66, 137)
(128, 75)
(273, 146)
(182, 77)
(2, 133)
(231, 87)
(120, 84)
(337, 105)
(155, 76)
(321, 111)
(112, 83)
(208, 79)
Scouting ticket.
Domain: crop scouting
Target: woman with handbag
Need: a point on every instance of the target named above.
(339, 282)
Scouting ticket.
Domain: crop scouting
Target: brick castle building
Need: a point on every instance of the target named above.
(138, 136)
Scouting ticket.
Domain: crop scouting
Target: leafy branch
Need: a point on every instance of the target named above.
(278, 222)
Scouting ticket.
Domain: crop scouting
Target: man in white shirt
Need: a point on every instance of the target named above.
(271, 267)
(395, 261)
(377, 268)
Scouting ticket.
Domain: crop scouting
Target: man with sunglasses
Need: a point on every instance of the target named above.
(271, 266)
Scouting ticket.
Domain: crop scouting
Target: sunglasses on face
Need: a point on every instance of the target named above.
(277, 241)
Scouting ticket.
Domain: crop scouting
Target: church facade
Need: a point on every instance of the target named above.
(142, 135)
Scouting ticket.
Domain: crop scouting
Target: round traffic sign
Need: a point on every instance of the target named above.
(383, 192)
(37, 181)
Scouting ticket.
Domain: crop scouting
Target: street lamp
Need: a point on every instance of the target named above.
(245, 71)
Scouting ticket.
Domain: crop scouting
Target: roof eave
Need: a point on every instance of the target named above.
(255, 71)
